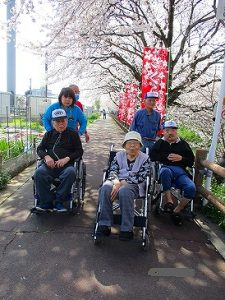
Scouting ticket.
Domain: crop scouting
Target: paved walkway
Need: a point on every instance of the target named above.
(53, 256)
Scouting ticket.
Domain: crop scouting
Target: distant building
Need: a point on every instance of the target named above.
(4, 104)
(38, 102)
(41, 92)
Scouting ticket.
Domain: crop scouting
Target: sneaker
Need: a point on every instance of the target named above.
(60, 207)
(103, 230)
(126, 235)
(44, 207)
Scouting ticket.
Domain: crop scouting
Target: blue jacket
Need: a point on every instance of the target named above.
(147, 124)
(74, 114)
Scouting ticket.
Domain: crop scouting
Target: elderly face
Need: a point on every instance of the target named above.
(132, 147)
(76, 89)
(150, 103)
(60, 125)
(170, 134)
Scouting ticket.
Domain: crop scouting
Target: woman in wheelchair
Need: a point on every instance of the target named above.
(175, 155)
(128, 169)
(58, 149)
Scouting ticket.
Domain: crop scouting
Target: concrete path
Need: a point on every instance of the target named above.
(48, 257)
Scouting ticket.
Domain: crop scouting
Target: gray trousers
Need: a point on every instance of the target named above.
(126, 196)
(44, 177)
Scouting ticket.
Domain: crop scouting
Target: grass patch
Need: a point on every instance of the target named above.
(23, 124)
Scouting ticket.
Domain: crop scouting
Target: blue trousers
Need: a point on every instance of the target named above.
(126, 196)
(44, 177)
(147, 144)
(173, 176)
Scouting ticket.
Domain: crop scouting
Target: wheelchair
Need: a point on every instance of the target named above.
(75, 198)
(157, 197)
(142, 207)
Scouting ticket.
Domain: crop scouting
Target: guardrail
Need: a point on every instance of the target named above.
(201, 167)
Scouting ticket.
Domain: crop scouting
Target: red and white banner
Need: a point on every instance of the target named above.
(131, 95)
(154, 76)
(122, 112)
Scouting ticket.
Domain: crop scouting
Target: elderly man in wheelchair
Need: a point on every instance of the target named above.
(58, 150)
(174, 155)
(128, 169)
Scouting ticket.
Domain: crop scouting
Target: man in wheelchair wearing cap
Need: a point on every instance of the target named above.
(58, 150)
(175, 155)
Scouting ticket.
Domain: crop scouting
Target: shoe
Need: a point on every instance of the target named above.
(168, 207)
(60, 207)
(103, 230)
(44, 207)
(177, 219)
(126, 235)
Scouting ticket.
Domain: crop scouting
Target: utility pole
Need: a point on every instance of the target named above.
(46, 76)
(11, 57)
(220, 113)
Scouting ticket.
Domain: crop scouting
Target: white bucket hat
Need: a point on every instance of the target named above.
(132, 135)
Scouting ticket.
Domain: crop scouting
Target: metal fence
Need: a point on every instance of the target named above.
(16, 134)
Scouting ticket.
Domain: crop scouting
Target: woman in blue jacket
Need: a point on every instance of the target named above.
(76, 118)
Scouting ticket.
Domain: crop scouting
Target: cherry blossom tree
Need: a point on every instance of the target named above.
(102, 41)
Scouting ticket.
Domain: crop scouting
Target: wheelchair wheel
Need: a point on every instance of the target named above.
(157, 209)
(152, 180)
(145, 243)
(97, 241)
(83, 181)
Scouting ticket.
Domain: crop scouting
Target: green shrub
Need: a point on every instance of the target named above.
(212, 211)
(4, 179)
(16, 147)
(189, 135)
(93, 117)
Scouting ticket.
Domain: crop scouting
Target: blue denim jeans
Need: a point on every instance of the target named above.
(147, 144)
(126, 196)
(174, 176)
(44, 177)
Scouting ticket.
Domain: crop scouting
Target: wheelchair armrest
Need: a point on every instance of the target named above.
(78, 159)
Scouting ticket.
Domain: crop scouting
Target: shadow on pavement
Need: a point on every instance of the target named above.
(53, 256)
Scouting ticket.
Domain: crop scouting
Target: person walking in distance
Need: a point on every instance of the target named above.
(104, 113)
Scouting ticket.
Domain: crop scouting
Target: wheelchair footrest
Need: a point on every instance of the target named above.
(139, 221)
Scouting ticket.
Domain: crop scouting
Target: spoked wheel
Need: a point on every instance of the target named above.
(97, 240)
(83, 182)
(157, 210)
